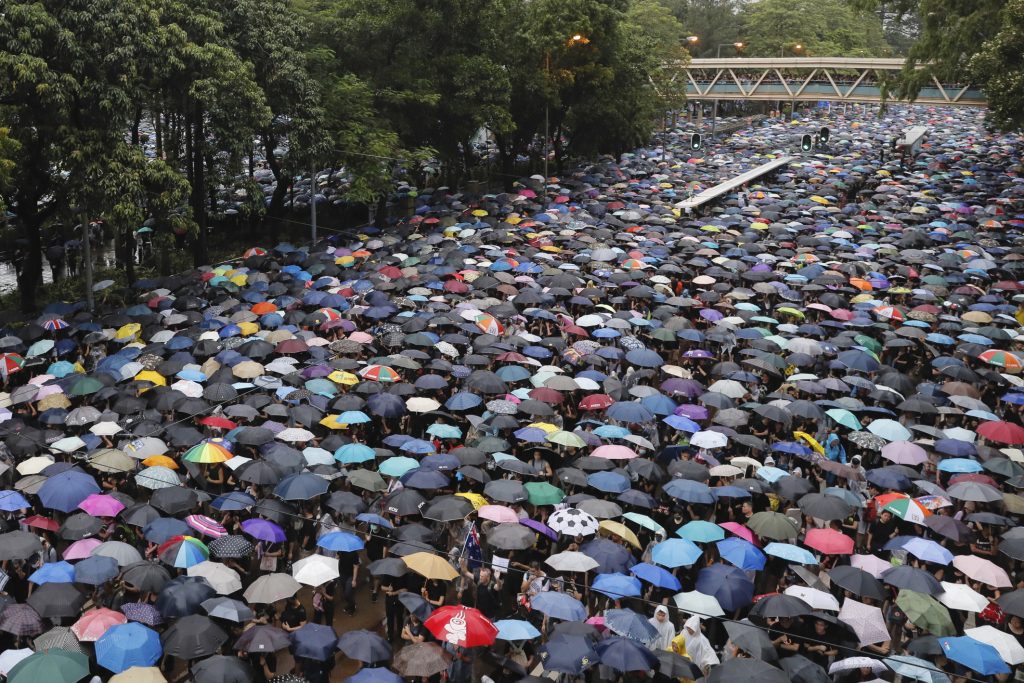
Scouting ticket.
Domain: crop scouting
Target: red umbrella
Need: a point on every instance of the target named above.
(218, 422)
(596, 402)
(1003, 432)
(40, 522)
(546, 395)
(462, 626)
(829, 542)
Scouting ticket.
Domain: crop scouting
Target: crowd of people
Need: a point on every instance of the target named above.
(566, 431)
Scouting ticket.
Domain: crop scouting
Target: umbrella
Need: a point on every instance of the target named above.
(557, 606)
(364, 646)
(925, 612)
(746, 670)
(430, 566)
(192, 637)
(728, 585)
(974, 654)
(58, 666)
(127, 645)
(270, 588)
(222, 669)
(625, 654)
(262, 638)
(865, 620)
(421, 659)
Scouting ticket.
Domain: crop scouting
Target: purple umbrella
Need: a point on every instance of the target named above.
(263, 530)
(142, 612)
(540, 527)
(692, 411)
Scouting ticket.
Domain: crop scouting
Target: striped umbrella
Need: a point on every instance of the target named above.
(183, 551)
(488, 324)
(328, 314)
(1002, 359)
(888, 312)
(207, 452)
(380, 373)
(206, 526)
(254, 251)
(10, 363)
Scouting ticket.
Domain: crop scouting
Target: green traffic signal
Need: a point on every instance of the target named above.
(695, 141)
(806, 143)
(823, 135)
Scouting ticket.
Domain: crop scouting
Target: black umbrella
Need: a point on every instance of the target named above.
(752, 640)
(346, 503)
(857, 581)
(415, 604)
(192, 637)
(403, 502)
(364, 646)
(262, 638)
(780, 605)
(174, 500)
(735, 670)
(146, 576)
(18, 545)
(56, 600)
(447, 508)
(222, 669)
(802, 670)
(824, 506)
(184, 596)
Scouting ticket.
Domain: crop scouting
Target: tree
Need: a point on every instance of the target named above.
(8, 149)
(822, 27)
(714, 22)
(68, 74)
(999, 68)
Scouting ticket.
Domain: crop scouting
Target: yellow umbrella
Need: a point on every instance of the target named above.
(546, 426)
(564, 438)
(810, 441)
(341, 377)
(128, 331)
(476, 499)
(620, 530)
(346, 260)
(248, 329)
(790, 311)
(818, 199)
(151, 376)
(480, 213)
(139, 674)
(331, 423)
(160, 461)
(53, 401)
(430, 566)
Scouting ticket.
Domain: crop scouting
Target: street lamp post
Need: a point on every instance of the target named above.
(796, 49)
(576, 39)
(714, 110)
(691, 42)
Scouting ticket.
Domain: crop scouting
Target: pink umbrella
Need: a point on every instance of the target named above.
(980, 569)
(615, 453)
(100, 505)
(79, 550)
(498, 513)
(206, 525)
(740, 530)
(871, 564)
(95, 623)
(829, 542)
(904, 453)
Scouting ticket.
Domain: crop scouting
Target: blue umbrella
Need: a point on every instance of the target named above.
(301, 486)
(741, 553)
(629, 411)
(374, 674)
(690, 491)
(700, 531)
(377, 520)
(727, 584)
(314, 641)
(921, 548)
(974, 654)
(127, 645)
(340, 541)
(463, 401)
(628, 623)
(675, 552)
(559, 606)
(53, 572)
(386, 405)
(617, 585)
(96, 570)
(656, 576)
(955, 447)
(364, 646)
(233, 500)
(915, 669)
(791, 553)
(886, 478)
(609, 482)
(681, 423)
(516, 629)
(624, 654)
(352, 453)
(645, 358)
(66, 490)
(567, 654)
(12, 501)
(162, 529)
(610, 556)
(420, 478)
(418, 446)
(960, 465)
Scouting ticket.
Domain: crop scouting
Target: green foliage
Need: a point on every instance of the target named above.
(715, 22)
(831, 28)
(999, 68)
(8, 149)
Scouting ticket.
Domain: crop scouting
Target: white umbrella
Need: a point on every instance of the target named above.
(1004, 643)
(421, 404)
(222, 578)
(124, 553)
(866, 621)
(271, 588)
(317, 456)
(157, 477)
(851, 663)
(725, 471)
(34, 465)
(571, 561)
(67, 444)
(140, 449)
(316, 570)
(729, 387)
(11, 657)
(962, 597)
(189, 388)
(295, 435)
(105, 428)
(815, 598)
(709, 440)
(695, 602)
(573, 522)
(869, 563)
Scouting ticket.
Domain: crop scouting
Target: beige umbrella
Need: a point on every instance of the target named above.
(430, 566)
(111, 460)
(53, 401)
(139, 674)
(34, 465)
(421, 404)
(247, 369)
(222, 578)
(271, 588)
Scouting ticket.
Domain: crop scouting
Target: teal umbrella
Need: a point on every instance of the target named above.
(397, 466)
(52, 666)
(444, 431)
(845, 418)
(543, 493)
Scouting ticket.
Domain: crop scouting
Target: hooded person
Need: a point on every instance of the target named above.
(666, 631)
(698, 647)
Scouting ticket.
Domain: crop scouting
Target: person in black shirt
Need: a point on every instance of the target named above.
(348, 566)
(294, 615)
(488, 600)
(881, 530)
(392, 587)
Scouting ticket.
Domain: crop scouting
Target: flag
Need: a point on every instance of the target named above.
(474, 556)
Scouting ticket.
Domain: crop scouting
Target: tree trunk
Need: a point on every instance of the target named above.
(30, 270)
(198, 161)
(380, 219)
(158, 125)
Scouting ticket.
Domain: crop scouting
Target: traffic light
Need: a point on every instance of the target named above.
(806, 143)
(823, 135)
(696, 142)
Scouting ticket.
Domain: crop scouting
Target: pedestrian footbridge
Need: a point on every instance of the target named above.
(834, 79)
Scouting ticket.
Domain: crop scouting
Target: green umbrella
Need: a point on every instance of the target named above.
(869, 343)
(397, 466)
(365, 479)
(52, 666)
(926, 613)
(773, 525)
(543, 493)
(82, 386)
(644, 521)
(845, 418)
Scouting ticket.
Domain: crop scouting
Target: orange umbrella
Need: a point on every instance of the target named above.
(263, 307)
